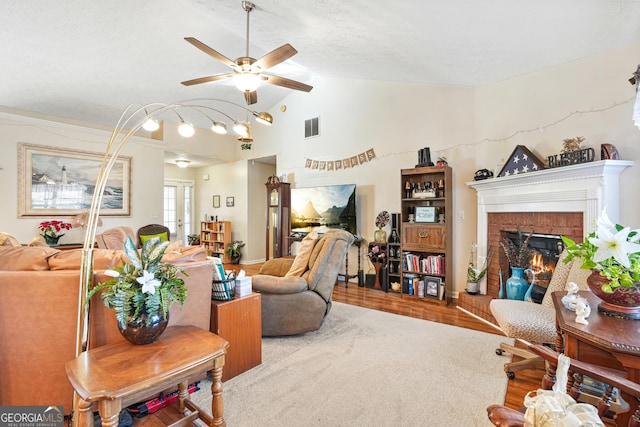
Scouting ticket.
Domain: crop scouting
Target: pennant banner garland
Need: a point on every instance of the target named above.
(346, 163)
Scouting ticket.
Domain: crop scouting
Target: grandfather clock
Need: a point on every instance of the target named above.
(278, 216)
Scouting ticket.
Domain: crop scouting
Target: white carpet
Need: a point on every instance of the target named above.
(368, 368)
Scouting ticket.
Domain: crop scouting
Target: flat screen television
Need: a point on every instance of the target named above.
(321, 208)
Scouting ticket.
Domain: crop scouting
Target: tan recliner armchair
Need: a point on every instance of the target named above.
(294, 305)
(114, 238)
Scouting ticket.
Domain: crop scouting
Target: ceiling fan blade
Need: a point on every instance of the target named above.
(288, 83)
(207, 79)
(251, 97)
(275, 57)
(209, 51)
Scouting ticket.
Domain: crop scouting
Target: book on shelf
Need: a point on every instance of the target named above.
(429, 264)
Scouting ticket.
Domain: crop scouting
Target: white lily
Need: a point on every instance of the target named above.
(604, 222)
(614, 245)
(111, 273)
(149, 282)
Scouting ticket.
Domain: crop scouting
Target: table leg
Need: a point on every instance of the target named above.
(183, 393)
(84, 415)
(110, 412)
(217, 405)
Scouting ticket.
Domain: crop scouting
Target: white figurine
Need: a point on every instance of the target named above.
(571, 298)
(583, 310)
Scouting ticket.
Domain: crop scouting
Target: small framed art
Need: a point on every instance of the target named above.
(216, 201)
(425, 214)
(230, 202)
(431, 286)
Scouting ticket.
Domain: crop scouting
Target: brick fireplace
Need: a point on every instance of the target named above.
(560, 201)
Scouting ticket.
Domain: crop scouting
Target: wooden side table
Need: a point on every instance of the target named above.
(118, 375)
(606, 341)
(239, 321)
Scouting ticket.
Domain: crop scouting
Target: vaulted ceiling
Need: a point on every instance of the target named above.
(87, 60)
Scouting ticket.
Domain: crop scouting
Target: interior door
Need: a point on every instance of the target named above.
(178, 208)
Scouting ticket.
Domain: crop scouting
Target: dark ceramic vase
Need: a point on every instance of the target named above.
(623, 302)
(51, 240)
(136, 331)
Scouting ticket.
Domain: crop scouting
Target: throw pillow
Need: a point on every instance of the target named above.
(301, 262)
(163, 237)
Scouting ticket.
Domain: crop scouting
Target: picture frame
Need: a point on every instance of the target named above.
(55, 181)
(216, 201)
(230, 201)
(432, 286)
(425, 214)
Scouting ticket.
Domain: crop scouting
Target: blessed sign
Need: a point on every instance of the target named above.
(585, 155)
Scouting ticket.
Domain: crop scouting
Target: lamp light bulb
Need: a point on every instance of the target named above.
(264, 118)
(182, 163)
(186, 129)
(241, 128)
(151, 125)
(219, 127)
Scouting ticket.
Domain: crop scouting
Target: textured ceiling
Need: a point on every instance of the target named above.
(87, 60)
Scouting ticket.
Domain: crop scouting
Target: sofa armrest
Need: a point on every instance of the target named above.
(278, 285)
(276, 267)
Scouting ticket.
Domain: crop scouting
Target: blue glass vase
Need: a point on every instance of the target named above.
(516, 285)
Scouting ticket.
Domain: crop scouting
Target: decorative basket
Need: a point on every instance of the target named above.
(223, 290)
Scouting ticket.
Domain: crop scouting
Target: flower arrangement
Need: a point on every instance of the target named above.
(382, 219)
(52, 228)
(144, 285)
(474, 273)
(518, 254)
(612, 250)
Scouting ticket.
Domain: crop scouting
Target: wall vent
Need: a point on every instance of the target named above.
(311, 127)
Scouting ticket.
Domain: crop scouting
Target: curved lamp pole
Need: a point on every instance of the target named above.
(127, 126)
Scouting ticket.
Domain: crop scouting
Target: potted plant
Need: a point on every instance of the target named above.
(474, 273)
(50, 229)
(193, 239)
(234, 251)
(142, 290)
(612, 252)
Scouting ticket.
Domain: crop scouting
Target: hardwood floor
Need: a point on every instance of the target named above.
(517, 388)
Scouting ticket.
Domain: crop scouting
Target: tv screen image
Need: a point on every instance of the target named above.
(321, 208)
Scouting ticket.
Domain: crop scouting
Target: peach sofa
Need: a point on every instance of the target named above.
(39, 309)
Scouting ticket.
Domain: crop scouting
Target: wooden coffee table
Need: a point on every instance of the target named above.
(118, 375)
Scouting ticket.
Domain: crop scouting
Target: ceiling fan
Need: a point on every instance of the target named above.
(248, 72)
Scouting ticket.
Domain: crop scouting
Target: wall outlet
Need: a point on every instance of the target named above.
(460, 214)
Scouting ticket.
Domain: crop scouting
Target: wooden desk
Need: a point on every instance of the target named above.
(118, 375)
(606, 341)
(239, 321)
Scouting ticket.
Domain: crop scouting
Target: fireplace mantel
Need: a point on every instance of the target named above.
(586, 188)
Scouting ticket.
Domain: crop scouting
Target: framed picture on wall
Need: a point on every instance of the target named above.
(216, 201)
(230, 202)
(55, 181)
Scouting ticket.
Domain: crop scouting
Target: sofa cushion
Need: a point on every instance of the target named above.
(301, 261)
(103, 259)
(185, 254)
(27, 258)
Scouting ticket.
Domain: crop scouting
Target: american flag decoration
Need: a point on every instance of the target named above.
(521, 161)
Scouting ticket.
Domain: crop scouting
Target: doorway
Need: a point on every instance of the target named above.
(178, 208)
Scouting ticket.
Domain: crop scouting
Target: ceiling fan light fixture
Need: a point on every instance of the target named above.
(264, 118)
(151, 125)
(219, 127)
(246, 81)
(186, 130)
(241, 128)
(182, 163)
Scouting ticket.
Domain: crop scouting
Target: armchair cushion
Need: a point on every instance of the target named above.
(280, 285)
(163, 237)
(525, 320)
(25, 258)
(301, 261)
(276, 267)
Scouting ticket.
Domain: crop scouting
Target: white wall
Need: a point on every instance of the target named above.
(146, 165)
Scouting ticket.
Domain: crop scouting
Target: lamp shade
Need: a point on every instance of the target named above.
(186, 129)
(264, 118)
(246, 81)
(151, 125)
(219, 127)
(182, 163)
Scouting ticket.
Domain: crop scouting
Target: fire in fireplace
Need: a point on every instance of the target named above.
(545, 251)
